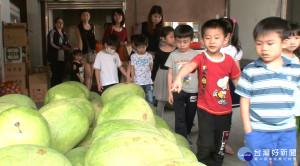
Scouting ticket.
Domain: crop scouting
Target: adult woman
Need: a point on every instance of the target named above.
(85, 34)
(58, 44)
(152, 28)
(118, 20)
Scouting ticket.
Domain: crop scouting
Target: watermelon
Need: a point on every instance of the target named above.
(182, 141)
(5, 106)
(87, 140)
(95, 99)
(68, 125)
(94, 96)
(161, 123)
(127, 106)
(112, 126)
(31, 155)
(78, 85)
(177, 162)
(131, 148)
(168, 134)
(63, 91)
(21, 125)
(19, 99)
(85, 106)
(188, 154)
(117, 89)
(77, 155)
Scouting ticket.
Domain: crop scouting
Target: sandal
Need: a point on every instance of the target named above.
(229, 150)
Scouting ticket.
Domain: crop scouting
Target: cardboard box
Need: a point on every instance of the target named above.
(38, 86)
(14, 34)
(25, 92)
(15, 69)
(15, 54)
(19, 79)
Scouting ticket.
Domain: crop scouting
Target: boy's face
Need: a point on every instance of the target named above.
(214, 40)
(141, 49)
(169, 39)
(183, 44)
(110, 49)
(269, 47)
(292, 43)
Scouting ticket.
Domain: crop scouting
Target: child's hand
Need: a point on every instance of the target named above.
(176, 86)
(81, 80)
(100, 87)
(171, 98)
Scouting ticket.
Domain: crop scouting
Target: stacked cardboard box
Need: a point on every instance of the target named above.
(17, 72)
(38, 86)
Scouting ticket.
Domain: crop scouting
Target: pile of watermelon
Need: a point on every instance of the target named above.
(80, 128)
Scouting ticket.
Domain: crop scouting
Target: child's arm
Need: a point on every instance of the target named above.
(151, 66)
(122, 69)
(235, 81)
(185, 70)
(245, 107)
(128, 72)
(170, 78)
(99, 85)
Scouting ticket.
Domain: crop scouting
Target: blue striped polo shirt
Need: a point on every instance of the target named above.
(271, 95)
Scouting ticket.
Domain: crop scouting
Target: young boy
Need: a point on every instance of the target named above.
(214, 100)
(107, 63)
(141, 66)
(185, 102)
(77, 73)
(266, 88)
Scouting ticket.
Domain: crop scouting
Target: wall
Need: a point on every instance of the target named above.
(35, 32)
(248, 14)
(174, 10)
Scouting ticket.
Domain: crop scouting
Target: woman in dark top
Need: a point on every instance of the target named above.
(58, 44)
(85, 34)
(152, 28)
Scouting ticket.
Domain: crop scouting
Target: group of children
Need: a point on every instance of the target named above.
(200, 83)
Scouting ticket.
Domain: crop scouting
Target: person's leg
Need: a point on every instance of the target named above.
(190, 110)
(61, 71)
(88, 75)
(285, 152)
(178, 105)
(160, 108)
(205, 141)
(148, 89)
(222, 130)
(55, 74)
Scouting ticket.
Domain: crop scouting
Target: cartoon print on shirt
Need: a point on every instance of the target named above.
(187, 78)
(223, 84)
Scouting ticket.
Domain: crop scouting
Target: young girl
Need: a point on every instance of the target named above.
(77, 73)
(160, 71)
(232, 48)
(152, 28)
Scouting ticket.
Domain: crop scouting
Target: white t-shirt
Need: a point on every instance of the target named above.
(142, 71)
(108, 65)
(231, 50)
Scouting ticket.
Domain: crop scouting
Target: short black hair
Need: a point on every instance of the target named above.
(140, 40)
(182, 31)
(113, 40)
(271, 24)
(294, 29)
(213, 23)
(76, 52)
(166, 30)
(133, 37)
(120, 12)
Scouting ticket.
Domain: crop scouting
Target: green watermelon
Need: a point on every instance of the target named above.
(68, 125)
(95, 99)
(94, 96)
(19, 99)
(77, 156)
(5, 106)
(177, 162)
(78, 85)
(21, 125)
(87, 140)
(112, 126)
(31, 155)
(131, 148)
(161, 123)
(85, 106)
(117, 89)
(188, 154)
(127, 106)
(63, 91)
(182, 141)
(168, 134)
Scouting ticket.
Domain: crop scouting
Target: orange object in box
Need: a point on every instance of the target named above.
(38, 86)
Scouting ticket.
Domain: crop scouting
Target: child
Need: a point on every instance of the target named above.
(160, 71)
(141, 66)
(293, 43)
(185, 102)
(131, 50)
(107, 63)
(232, 48)
(266, 89)
(214, 101)
(77, 73)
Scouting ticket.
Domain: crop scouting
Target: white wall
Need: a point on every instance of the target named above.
(248, 13)
(35, 32)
